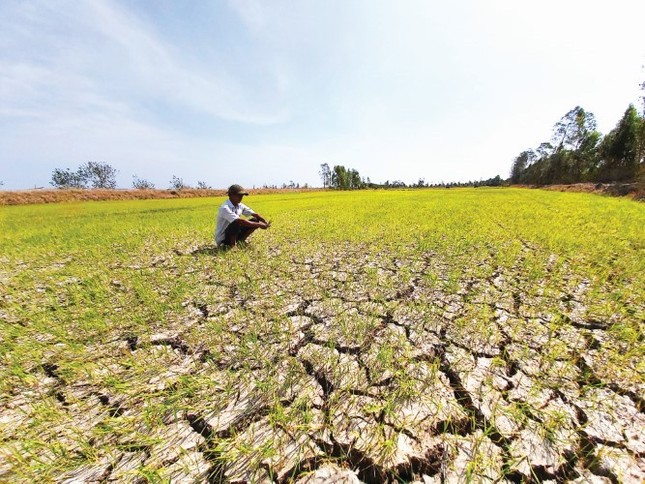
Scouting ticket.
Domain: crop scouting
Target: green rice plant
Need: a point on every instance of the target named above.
(119, 317)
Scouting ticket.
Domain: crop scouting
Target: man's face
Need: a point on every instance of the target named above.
(236, 198)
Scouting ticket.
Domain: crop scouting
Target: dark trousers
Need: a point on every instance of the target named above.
(236, 231)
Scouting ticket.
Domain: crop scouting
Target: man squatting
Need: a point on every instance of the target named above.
(231, 228)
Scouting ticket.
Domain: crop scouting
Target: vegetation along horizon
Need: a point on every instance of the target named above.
(438, 335)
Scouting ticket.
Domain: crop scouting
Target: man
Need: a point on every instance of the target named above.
(231, 228)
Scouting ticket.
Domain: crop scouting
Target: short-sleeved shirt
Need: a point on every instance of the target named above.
(226, 214)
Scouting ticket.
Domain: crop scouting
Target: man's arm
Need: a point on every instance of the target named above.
(259, 217)
(248, 223)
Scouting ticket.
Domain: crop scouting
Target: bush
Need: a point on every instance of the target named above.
(141, 184)
(177, 183)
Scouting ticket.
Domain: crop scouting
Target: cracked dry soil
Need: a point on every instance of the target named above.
(353, 366)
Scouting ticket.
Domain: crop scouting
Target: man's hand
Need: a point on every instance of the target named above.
(259, 218)
(259, 222)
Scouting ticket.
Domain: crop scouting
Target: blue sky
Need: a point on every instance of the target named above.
(263, 92)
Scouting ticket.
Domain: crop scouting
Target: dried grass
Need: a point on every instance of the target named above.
(29, 197)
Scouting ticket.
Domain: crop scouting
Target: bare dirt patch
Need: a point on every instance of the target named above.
(351, 365)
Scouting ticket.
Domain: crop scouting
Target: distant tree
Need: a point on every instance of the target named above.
(496, 181)
(98, 174)
(572, 129)
(141, 184)
(620, 149)
(177, 183)
(576, 139)
(355, 181)
(202, 185)
(641, 136)
(520, 164)
(585, 159)
(67, 179)
(346, 178)
(339, 178)
(544, 150)
(325, 175)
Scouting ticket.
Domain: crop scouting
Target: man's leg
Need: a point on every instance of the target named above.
(232, 234)
(245, 232)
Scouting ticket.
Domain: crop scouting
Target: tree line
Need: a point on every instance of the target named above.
(341, 178)
(578, 152)
(102, 175)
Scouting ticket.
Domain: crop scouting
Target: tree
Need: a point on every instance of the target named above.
(572, 129)
(202, 185)
(339, 177)
(620, 149)
(342, 178)
(98, 174)
(585, 159)
(325, 175)
(573, 156)
(544, 150)
(67, 179)
(520, 164)
(141, 184)
(345, 179)
(641, 135)
(177, 183)
(355, 181)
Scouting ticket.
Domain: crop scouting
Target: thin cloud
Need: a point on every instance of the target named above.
(144, 66)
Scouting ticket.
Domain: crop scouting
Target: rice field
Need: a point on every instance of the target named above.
(461, 335)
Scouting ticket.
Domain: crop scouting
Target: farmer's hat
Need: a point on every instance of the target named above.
(236, 190)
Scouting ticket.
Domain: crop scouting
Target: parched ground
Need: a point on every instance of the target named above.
(340, 364)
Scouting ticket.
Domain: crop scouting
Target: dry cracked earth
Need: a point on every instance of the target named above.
(351, 365)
